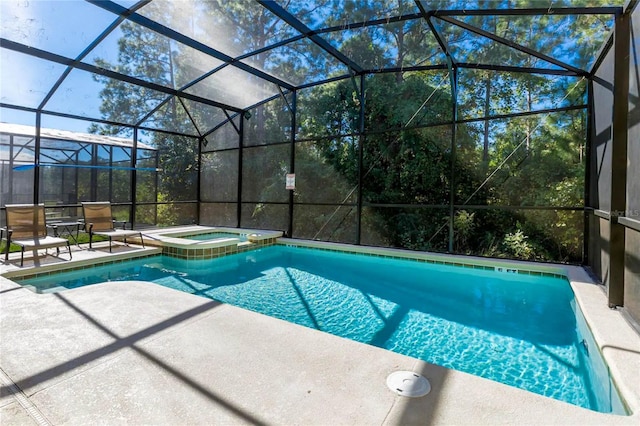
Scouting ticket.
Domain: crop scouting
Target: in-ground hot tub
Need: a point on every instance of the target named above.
(205, 242)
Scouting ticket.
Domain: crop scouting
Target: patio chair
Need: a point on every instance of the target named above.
(27, 228)
(99, 221)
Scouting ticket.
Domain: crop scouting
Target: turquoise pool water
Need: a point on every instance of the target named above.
(516, 329)
(214, 235)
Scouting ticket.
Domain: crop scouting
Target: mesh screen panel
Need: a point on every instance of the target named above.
(326, 223)
(326, 171)
(167, 214)
(219, 176)
(265, 216)
(409, 228)
(420, 98)
(223, 138)
(263, 173)
(542, 235)
(268, 123)
(330, 109)
(410, 167)
(520, 159)
(219, 214)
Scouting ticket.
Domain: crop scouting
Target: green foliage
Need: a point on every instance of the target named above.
(517, 245)
(463, 225)
(166, 214)
(12, 247)
(532, 161)
(411, 173)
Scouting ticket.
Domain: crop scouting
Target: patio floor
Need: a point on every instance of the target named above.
(136, 353)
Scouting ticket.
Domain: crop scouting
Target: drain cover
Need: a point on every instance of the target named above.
(408, 383)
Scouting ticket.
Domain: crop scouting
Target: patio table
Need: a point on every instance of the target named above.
(71, 229)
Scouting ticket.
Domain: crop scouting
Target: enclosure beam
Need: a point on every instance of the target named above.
(531, 11)
(221, 124)
(287, 17)
(370, 23)
(94, 173)
(64, 115)
(52, 57)
(191, 119)
(588, 181)
(198, 181)
(156, 184)
(134, 179)
(292, 159)
(453, 75)
(604, 50)
(181, 38)
(76, 178)
(528, 70)
(426, 14)
(270, 47)
(622, 34)
(513, 45)
(361, 142)
(395, 70)
(11, 171)
(110, 173)
(36, 154)
(522, 114)
(181, 89)
(240, 160)
(230, 121)
(88, 49)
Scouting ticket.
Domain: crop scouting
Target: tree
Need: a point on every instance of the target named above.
(408, 161)
(152, 57)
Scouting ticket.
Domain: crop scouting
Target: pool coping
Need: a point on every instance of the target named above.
(78, 264)
(173, 235)
(172, 243)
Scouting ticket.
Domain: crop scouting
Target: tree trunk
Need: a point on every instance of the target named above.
(400, 58)
(487, 112)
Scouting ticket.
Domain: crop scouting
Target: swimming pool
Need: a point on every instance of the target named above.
(522, 330)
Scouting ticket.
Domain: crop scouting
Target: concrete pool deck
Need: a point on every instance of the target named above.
(136, 353)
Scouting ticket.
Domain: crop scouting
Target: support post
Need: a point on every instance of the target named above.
(11, 171)
(110, 173)
(156, 185)
(361, 142)
(93, 172)
(622, 33)
(454, 115)
(198, 195)
(134, 179)
(240, 153)
(36, 152)
(588, 181)
(76, 179)
(292, 159)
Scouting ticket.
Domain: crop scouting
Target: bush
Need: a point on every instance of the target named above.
(517, 245)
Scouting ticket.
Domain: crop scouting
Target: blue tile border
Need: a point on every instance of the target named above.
(516, 268)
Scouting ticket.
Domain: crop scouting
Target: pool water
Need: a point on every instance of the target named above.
(215, 235)
(517, 329)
